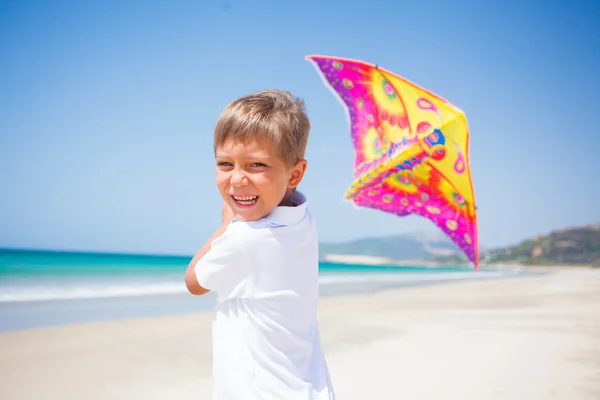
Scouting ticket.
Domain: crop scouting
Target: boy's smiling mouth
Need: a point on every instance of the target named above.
(245, 201)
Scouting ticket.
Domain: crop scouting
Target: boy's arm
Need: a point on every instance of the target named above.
(191, 282)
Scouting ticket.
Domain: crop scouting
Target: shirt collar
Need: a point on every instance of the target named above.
(285, 215)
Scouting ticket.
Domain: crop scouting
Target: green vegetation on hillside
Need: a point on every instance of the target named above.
(573, 246)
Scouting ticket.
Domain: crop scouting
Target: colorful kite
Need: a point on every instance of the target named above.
(411, 149)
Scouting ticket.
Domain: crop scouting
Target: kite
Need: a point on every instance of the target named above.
(411, 149)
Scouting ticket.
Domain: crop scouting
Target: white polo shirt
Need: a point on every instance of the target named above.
(265, 334)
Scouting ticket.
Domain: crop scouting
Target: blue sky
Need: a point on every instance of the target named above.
(107, 110)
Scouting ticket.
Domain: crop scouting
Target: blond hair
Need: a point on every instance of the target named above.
(275, 115)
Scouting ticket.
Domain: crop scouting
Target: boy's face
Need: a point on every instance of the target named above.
(252, 178)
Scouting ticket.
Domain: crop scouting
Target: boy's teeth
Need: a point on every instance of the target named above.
(246, 200)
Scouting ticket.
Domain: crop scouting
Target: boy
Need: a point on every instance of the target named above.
(263, 261)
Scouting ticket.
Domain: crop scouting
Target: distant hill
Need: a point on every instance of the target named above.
(573, 246)
(416, 246)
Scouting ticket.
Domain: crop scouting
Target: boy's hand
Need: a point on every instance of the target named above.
(226, 214)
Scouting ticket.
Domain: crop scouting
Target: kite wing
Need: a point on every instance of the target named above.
(411, 148)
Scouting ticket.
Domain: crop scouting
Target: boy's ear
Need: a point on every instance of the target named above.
(297, 173)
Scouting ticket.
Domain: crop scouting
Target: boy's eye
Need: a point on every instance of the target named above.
(257, 165)
(224, 164)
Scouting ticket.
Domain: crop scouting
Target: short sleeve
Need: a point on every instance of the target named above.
(222, 269)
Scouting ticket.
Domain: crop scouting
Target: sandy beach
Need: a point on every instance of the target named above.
(533, 337)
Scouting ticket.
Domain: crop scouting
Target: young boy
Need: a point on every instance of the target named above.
(263, 261)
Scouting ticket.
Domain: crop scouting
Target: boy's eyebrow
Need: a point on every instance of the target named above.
(262, 156)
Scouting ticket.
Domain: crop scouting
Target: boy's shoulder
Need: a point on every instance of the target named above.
(243, 234)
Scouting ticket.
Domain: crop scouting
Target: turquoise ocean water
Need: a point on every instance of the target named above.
(53, 288)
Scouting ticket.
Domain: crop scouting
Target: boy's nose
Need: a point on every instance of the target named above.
(239, 180)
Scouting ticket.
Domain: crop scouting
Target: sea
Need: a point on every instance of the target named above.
(49, 288)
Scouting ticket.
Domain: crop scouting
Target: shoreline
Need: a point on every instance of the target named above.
(532, 336)
(28, 315)
(356, 259)
(38, 313)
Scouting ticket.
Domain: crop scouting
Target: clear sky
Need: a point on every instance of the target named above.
(107, 110)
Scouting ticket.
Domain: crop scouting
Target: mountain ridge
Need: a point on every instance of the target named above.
(578, 245)
(565, 246)
(416, 246)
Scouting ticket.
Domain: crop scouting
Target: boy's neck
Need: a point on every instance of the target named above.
(287, 198)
